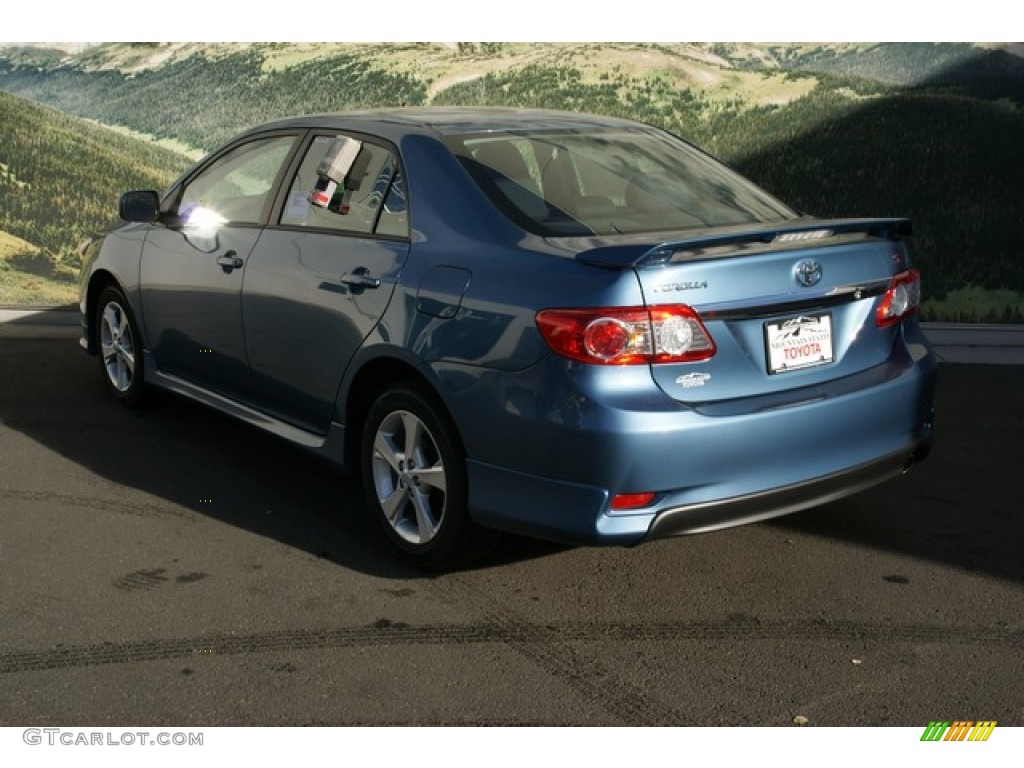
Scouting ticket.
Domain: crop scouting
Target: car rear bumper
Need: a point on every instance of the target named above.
(575, 514)
(709, 468)
(764, 505)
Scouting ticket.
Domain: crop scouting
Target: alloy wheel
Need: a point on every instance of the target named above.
(117, 346)
(409, 477)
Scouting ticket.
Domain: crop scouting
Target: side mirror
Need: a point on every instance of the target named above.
(140, 205)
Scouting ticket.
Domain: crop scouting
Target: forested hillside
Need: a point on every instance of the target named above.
(202, 100)
(60, 178)
(950, 163)
(929, 131)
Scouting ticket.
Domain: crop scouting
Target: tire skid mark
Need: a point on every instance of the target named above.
(625, 702)
(533, 640)
(229, 645)
(454, 722)
(135, 509)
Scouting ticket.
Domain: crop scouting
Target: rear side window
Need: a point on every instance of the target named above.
(604, 182)
(347, 185)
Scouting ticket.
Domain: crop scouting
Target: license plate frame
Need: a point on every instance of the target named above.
(799, 342)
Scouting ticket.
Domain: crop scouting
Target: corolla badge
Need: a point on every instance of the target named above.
(807, 272)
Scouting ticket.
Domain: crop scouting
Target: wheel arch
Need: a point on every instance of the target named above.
(371, 380)
(100, 280)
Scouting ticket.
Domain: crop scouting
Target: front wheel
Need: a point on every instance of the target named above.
(120, 347)
(414, 473)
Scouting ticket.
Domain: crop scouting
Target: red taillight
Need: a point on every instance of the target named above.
(627, 335)
(901, 300)
(607, 338)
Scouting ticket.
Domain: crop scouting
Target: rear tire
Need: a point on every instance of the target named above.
(414, 474)
(119, 347)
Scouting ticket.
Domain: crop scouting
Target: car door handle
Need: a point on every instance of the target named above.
(360, 278)
(230, 260)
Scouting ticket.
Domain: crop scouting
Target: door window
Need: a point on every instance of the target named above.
(347, 185)
(237, 186)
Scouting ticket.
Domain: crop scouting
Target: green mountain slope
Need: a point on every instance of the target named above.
(950, 163)
(202, 94)
(60, 178)
(28, 276)
(922, 130)
(956, 65)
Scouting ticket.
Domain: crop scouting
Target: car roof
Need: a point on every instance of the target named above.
(399, 121)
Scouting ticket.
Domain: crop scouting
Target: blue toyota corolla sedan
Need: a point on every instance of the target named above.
(568, 326)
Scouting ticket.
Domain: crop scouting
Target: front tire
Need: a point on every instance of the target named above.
(414, 473)
(119, 347)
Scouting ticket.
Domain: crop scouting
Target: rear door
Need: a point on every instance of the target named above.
(323, 273)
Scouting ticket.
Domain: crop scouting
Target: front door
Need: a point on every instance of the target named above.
(193, 265)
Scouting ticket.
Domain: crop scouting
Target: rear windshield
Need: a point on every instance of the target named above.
(606, 182)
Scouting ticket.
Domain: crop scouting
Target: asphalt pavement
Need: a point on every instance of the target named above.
(174, 567)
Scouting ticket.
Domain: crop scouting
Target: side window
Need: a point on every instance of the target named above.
(350, 186)
(236, 186)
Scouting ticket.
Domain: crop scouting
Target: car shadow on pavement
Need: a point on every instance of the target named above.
(962, 506)
(196, 459)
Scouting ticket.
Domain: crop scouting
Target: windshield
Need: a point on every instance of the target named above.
(604, 182)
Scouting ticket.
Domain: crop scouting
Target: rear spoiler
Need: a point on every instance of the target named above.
(744, 240)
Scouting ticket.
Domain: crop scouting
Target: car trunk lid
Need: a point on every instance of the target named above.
(789, 307)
